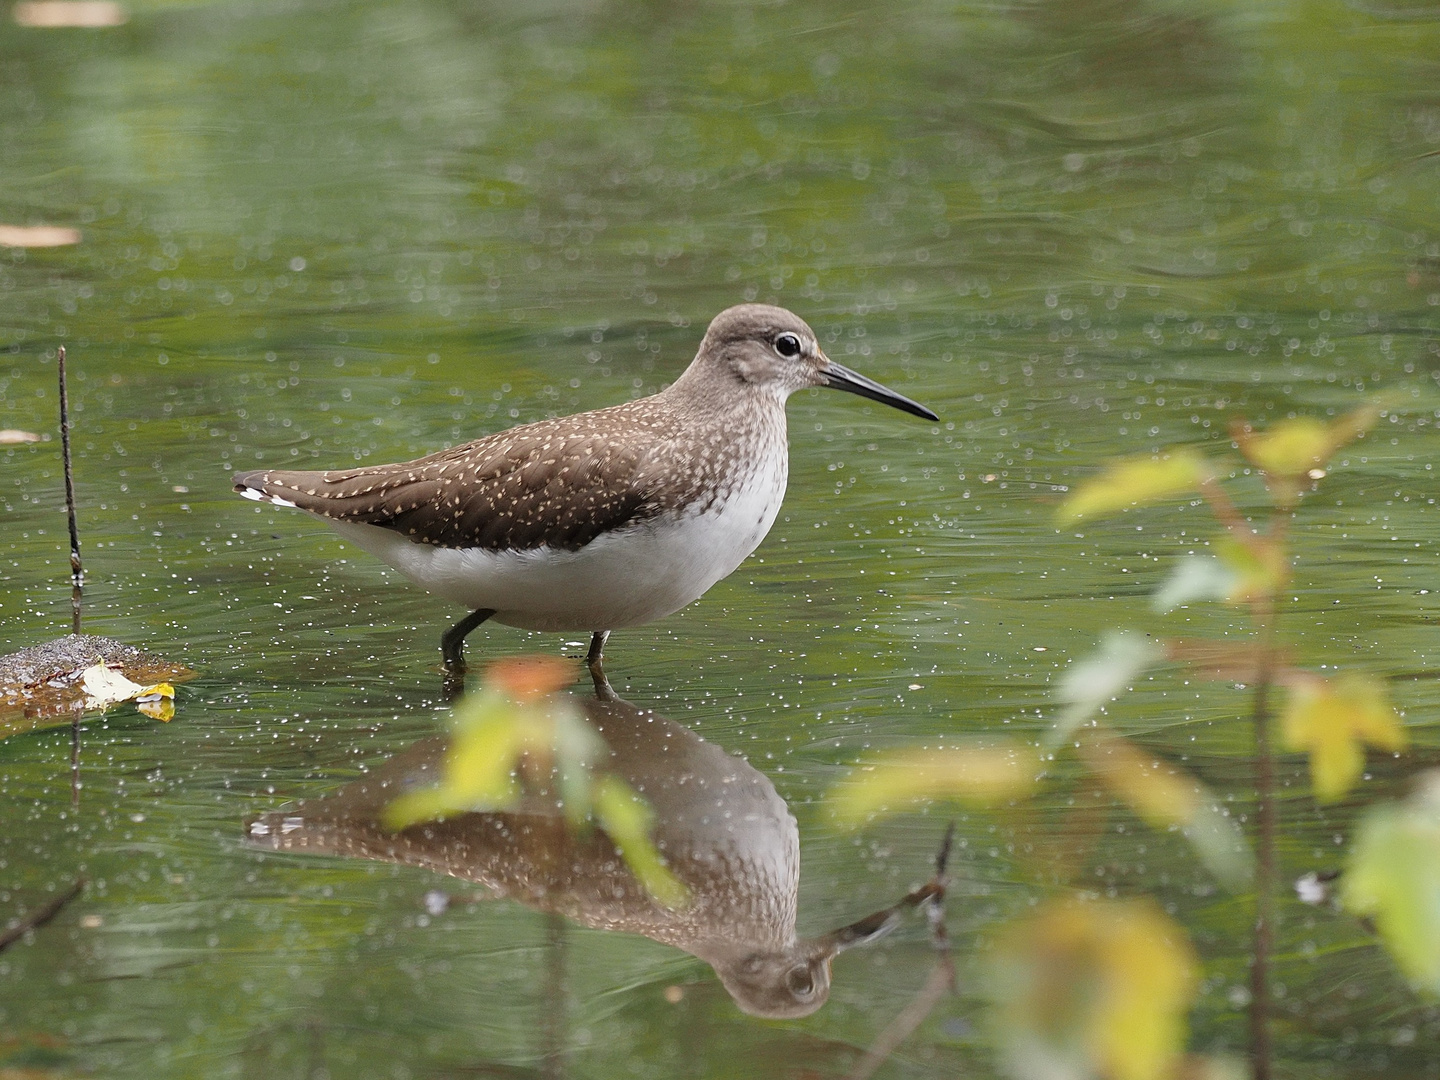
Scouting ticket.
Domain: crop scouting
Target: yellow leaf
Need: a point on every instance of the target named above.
(157, 702)
(1095, 988)
(1134, 482)
(975, 775)
(1332, 719)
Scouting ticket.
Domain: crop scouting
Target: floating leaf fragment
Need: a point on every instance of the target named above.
(105, 686)
(44, 684)
(1135, 482)
(1332, 720)
(1094, 989)
(37, 236)
(1393, 876)
(62, 14)
(974, 775)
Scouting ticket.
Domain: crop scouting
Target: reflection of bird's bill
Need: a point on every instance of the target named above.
(839, 377)
(877, 925)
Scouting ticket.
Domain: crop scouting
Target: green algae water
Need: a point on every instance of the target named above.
(317, 234)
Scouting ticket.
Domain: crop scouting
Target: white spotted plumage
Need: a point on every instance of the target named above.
(600, 520)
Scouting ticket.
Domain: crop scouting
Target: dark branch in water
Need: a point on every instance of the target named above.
(942, 976)
(77, 573)
(40, 916)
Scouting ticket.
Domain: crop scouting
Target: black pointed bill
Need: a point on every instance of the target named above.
(840, 377)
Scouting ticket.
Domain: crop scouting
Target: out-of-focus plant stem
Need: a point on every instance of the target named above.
(1262, 715)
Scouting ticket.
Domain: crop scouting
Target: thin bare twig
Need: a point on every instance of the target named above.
(1227, 514)
(942, 978)
(77, 572)
(940, 982)
(1266, 870)
(41, 915)
(552, 1023)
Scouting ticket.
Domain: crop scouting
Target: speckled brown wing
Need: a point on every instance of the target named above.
(530, 487)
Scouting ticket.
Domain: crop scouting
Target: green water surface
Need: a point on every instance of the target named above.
(318, 233)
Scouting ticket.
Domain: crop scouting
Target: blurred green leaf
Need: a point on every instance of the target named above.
(1134, 482)
(1089, 683)
(626, 819)
(516, 732)
(1198, 577)
(1332, 720)
(1393, 876)
(1164, 795)
(490, 734)
(1301, 447)
(1260, 567)
(976, 775)
(1094, 989)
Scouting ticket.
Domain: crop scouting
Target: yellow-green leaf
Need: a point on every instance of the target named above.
(1393, 876)
(1134, 482)
(626, 819)
(976, 775)
(1094, 989)
(1163, 795)
(1301, 446)
(1332, 720)
(517, 734)
(1148, 785)
(1259, 567)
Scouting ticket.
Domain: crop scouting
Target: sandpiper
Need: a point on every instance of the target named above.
(603, 519)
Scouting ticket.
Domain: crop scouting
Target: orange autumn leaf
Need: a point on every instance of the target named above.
(526, 678)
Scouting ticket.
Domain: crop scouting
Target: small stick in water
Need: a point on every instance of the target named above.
(942, 975)
(77, 573)
(41, 915)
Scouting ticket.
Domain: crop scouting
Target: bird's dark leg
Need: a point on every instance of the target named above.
(594, 662)
(452, 644)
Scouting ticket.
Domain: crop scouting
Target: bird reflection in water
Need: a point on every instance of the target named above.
(722, 827)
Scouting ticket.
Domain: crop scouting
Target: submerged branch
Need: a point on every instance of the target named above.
(942, 975)
(41, 915)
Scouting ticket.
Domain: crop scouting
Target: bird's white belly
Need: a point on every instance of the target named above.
(622, 578)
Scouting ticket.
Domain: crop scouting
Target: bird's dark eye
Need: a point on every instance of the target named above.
(800, 981)
(787, 345)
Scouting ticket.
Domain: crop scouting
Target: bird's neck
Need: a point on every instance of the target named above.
(710, 396)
